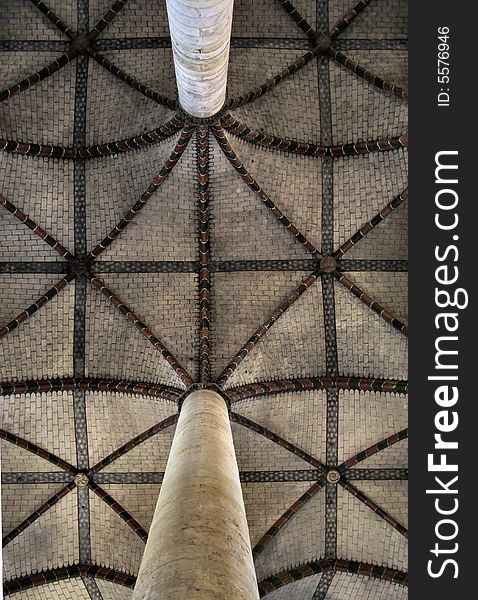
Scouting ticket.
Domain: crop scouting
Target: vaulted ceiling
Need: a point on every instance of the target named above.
(264, 252)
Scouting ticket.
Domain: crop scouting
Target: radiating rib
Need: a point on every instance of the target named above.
(131, 81)
(98, 150)
(298, 19)
(371, 303)
(168, 166)
(259, 192)
(367, 75)
(371, 450)
(26, 83)
(61, 25)
(142, 328)
(106, 19)
(264, 328)
(269, 140)
(348, 18)
(370, 225)
(37, 230)
(33, 308)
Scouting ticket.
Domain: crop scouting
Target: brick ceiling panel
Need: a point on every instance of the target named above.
(302, 539)
(165, 227)
(138, 499)
(18, 291)
(382, 20)
(366, 418)
(235, 210)
(249, 22)
(364, 536)
(115, 419)
(242, 301)
(50, 542)
(389, 495)
(293, 347)
(346, 585)
(115, 111)
(18, 460)
(390, 290)
(153, 67)
(27, 23)
(38, 114)
(298, 417)
(167, 304)
(21, 244)
(388, 241)
(42, 189)
(113, 543)
(266, 502)
(116, 349)
(63, 590)
(150, 456)
(293, 182)
(46, 420)
(394, 457)
(256, 453)
(138, 19)
(112, 591)
(292, 108)
(299, 590)
(42, 345)
(361, 111)
(17, 505)
(367, 345)
(363, 185)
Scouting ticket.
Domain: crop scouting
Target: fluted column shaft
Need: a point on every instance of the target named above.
(198, 546)
(200, 34)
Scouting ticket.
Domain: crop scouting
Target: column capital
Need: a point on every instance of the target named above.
(211, 387)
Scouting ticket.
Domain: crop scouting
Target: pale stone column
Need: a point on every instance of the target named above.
(200, 35)
(198, 546)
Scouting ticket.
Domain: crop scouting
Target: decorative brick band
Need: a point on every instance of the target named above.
(106, 19)
(37, 230)
(85, 152)
(266, 586)
(285, 518)
(68, 572)
(254, 390)
(371, 450)
(294, 67)
(298, 19)
(139, 439)
(264, 328)
(220, 136)
(348, 18)
(168, 166)
(273, 437)
(131, 81)
(370, 225)
(38, 513)
(34, 449)
(28, 82)
(374, 507)
(202, 141)
(63, 27)
(269, 140)
(64, 384)
(367, 75)
(142, 328)
(371, 303)
(119, 510)
(33, 308)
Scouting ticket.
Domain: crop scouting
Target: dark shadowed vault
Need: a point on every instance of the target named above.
(142, 253)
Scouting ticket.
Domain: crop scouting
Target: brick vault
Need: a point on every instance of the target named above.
(263, 253)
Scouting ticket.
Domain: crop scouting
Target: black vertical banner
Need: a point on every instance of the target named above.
(443, 350)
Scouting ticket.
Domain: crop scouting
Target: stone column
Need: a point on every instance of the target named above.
(198, 546)
(200, 35)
